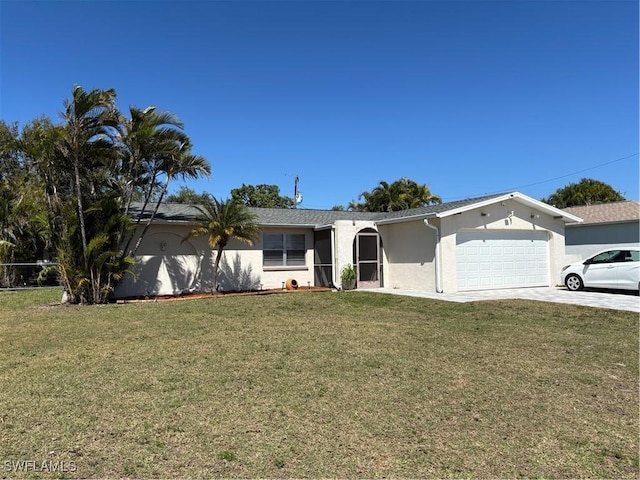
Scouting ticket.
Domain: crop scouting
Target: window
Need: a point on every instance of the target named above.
(630, 256)
(606, 257)
(283, 250)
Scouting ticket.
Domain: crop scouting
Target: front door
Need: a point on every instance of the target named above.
(367, 259)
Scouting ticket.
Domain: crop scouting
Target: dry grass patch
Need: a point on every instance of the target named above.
(318, 385)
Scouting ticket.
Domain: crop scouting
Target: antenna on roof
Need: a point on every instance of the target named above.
(297, 196)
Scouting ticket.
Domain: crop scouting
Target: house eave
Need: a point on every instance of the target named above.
(410, 218)
(324, 227)
(517, 196)
(287, 225)
(157, 221)
(594, 224)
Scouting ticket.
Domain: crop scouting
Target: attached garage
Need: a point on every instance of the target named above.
(487, 259)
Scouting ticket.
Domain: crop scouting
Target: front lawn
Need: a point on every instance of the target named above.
(312, 384)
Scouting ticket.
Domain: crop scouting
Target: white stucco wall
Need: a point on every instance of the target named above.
(410, 252)
(273, 277)
(345, 234)
(167, 265)
(500, 219)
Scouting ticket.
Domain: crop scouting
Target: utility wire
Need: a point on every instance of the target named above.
(546, 181)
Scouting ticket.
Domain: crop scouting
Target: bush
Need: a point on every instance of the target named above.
(348, 277)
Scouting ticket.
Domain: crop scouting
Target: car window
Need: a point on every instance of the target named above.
(606, 257)
(627, 256)
(622, 256)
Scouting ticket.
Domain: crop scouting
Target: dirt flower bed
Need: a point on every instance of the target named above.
(230, 293)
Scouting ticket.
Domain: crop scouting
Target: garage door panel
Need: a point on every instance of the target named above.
(502, 259)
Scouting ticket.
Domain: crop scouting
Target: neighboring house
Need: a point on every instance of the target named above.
(495, 241)
(605, 226)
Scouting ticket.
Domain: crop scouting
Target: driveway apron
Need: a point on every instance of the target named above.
(628, 301)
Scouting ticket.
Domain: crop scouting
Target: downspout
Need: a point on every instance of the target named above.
(334, 263)
(437, 256)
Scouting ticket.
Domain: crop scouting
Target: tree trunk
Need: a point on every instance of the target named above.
(83, 231)
(216, 266)
(153, 215)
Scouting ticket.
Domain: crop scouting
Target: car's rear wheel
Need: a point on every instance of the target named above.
(574, 282)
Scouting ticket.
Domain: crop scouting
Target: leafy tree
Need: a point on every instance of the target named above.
(10, 175)
(49, 185)
(188, 195)
(21, 239)
(265, 196)
(399, 195)
(77, 181)
(221, 221)
(586, 192)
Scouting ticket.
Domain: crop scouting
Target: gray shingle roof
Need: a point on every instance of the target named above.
(441, 208)
(303, 216)
(186, 213)
(607, 212)
(168, 212)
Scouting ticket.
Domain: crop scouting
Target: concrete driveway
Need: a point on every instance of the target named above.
(629, 301)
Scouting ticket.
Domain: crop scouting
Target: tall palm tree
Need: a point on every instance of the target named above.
(222, 221)
(183, 165)
(146, 137)
(156, 150)
(90, 121)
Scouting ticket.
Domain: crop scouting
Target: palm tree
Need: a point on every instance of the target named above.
(221, 221)
(90, 121)
(413, 195)
(183, 165)
(381, 198)
(155, 146)
(399, 195)
(146, 137)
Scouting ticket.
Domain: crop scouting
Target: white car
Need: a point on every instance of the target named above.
(616, 269)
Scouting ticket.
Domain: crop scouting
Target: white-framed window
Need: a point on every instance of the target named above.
(283, 250)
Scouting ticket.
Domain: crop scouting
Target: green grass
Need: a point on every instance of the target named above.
(315, 384)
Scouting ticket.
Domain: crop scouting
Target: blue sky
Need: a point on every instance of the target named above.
(468, 97)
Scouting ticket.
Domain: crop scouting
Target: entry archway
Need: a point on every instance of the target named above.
(367, 248)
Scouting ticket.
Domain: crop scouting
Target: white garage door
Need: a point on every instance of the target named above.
(502, 259)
